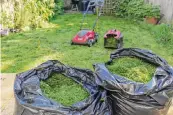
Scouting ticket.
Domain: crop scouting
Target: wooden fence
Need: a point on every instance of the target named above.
(108, 7)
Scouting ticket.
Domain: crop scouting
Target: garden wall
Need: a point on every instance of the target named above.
(166, 8)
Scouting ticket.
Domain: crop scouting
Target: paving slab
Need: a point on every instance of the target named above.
(7, 96)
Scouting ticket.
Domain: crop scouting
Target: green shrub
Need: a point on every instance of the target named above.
(28, 13)
(6, 16)
(59, 5)
(151, 11)
(120, 8)
(63, 90)
(135, 9)
(32, 13)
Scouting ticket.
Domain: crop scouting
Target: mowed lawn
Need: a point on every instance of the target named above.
(25, 50)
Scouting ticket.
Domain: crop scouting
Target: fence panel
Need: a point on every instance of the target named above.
(166, 8)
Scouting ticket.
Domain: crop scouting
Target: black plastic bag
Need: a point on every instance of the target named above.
(127, 97)
(31, 101)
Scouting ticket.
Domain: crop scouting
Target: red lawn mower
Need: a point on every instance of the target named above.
(88, 36)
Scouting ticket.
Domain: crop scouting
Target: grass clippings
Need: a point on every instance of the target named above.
(111, 42)
(63, 90)
(133, 69)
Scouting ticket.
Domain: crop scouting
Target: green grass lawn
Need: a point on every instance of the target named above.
(23, 51)
(63, 90)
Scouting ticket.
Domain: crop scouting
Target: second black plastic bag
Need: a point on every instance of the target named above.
(127, 97)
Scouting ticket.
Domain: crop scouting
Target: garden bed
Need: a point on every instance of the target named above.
(63, 90)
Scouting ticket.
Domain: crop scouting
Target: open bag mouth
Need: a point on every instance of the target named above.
(109, 94)
(29, 95)
(127, 97)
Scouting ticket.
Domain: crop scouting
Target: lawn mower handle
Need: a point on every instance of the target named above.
(93, 3)
(97, 18)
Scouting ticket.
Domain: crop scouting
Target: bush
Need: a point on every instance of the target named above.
(29, 13)
(59, 5)
(151, 11)
(111, 42)
(135, 9)
(33, 13)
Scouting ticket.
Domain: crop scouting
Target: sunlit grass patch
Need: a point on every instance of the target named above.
(6, 64)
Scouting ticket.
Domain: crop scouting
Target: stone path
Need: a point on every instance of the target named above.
(7, 96)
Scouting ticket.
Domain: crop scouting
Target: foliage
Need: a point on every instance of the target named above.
(133, 69)
(135, 9)
(120, 8)
(7, 21)
(32, 13)
(63, 90)
(6, 16)
(59, 4)
(28, 13)
(152, 11)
